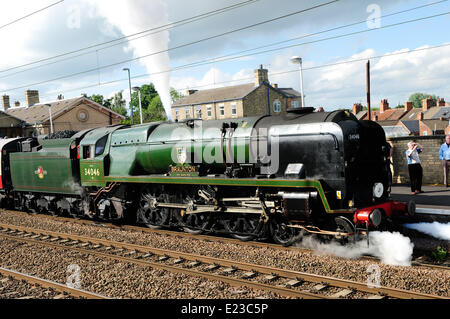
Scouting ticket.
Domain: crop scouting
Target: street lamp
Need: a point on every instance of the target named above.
(298, 60)
(138, 89)
(51, 117)
(131, 97)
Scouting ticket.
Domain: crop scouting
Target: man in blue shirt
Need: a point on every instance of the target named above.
(444, 156)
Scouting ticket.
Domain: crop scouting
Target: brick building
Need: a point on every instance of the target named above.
(431, 119)
(72, 114)
(252, 99)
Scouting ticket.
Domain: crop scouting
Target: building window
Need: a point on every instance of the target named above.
(188, 112)
(234, 109)
(277, 106)
(209, 111)
(198, 112)
(222, 109)
(294, 104)
(177, 114)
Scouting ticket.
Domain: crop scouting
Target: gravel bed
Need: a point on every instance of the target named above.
(418, 279)
(115, 279)
(11, 288)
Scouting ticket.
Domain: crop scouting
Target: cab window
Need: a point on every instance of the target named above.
(100, 146)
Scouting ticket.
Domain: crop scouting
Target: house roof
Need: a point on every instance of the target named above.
(388, 123)
(412, 126)
(439, 112)
(395, 131)
(412, 115)
(436, 125)
(6, 115)
(290, 92)
(39, 113)
(361, 115)
(235, 92)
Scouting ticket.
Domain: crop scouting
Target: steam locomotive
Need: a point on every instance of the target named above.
(252, 178)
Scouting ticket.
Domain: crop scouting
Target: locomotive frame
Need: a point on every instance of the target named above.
(327, 181)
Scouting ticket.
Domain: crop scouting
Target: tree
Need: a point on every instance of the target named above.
(417, 98)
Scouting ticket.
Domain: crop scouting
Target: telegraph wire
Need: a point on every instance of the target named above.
(205, 62)
(153, 30)
(243, 51)
(271, 74)
(30, 14)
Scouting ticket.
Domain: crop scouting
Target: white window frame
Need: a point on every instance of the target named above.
(277, 106)
(209, 111)
(233, 109)
(295, 104)
(187, 112)
(198, 112)
(222, 110)
(177, 114)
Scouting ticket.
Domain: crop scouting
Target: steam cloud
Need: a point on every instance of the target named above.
(132, 16)
(392, 248)
(437, 230)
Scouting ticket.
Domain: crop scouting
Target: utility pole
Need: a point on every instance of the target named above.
(138, 89)
(131, 95)
(368, 88)
(51, 117)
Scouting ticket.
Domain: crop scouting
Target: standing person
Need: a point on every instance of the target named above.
(444, 156)
(414, 167)
(389, 154)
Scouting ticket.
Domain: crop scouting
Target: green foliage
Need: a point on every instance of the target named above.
(439, 254)
(400, 106)
(417, 98)
(152, 107)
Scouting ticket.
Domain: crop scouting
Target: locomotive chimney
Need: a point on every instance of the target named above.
(5, 102)
(31, 97)
(384, 105)
(261, 76)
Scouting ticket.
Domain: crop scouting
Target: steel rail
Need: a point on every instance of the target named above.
(289, 274)
(236, 282)
(50, 284)
(217, 238)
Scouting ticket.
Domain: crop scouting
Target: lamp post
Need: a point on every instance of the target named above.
(138, 89)
(298, 60)
(51, 117)
(131, 97)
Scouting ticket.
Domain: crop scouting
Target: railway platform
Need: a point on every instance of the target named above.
(433, 203)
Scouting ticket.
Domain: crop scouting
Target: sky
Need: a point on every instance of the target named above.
(189, 54)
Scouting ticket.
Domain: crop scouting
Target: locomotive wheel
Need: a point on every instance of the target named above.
(244, 227)
(196, 223)
(344, 225)
(149, 214)
(282, 234)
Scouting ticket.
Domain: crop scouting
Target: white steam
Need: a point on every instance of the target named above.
(132, 16)
(392, 248)
(437, 230)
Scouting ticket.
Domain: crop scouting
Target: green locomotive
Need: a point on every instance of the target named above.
(251, 178)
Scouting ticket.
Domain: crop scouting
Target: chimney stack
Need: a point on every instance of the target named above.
(261, 76)
(5, 103)
(408, 106)
(16, 104)
(427, 103)
(31, 97)
(420, 116)
(384, 105)
(357, 107)
(441, 102)
(320, 110)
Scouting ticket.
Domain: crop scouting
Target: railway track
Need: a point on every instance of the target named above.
(216, 238)
(66, 290)
(286, 283)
